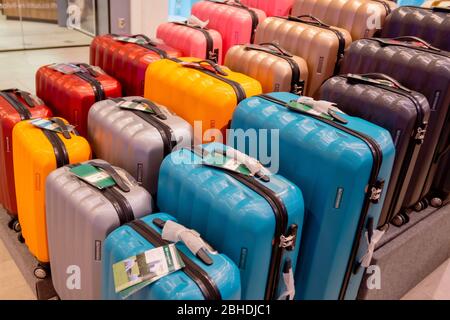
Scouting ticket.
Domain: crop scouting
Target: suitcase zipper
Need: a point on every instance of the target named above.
(24, 113)
(120, 204)
(210, 54)
(97, 87)
(191, 269)
(373, 194)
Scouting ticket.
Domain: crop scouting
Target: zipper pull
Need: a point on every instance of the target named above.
(288, 241)
(376, 191)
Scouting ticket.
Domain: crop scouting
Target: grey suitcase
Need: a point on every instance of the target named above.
(404, 113)
(134, 140)
(79, 218)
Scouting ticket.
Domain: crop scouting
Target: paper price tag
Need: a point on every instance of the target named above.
(93, 176)
(49, 125)
(129, 105)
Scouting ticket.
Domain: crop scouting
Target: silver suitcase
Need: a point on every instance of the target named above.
(134, 140)
(79, 218)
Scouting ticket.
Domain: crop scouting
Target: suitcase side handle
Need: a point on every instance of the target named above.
(410, 39)
(113, 173)
(375, 77)
(26, 96)
(310, 20)
(200, 65)
(152, 106)
(267, 48)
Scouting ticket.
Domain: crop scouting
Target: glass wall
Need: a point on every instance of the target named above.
(33, 24)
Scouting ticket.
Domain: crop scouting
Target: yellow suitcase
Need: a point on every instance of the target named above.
(199, 91)
(36, 153)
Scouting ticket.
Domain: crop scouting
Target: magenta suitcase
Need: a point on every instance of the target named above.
(271, 7)
(236, 22)
(192, 41)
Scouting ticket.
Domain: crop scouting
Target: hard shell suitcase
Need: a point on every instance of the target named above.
(199, 91)
(70, 96)
(436, 3)
(431, 25)
(271, 7)
(276, 69)
(409, 2)
(320, 45)
(192, 40)
(362, 18)
(419, 67)
(37, 153)
(127, 59)
(134, 140)
(197, 281)
(236, 22)
(15, 106)
(343, 167)
(256, 222)
(75, 208)
(404, 113)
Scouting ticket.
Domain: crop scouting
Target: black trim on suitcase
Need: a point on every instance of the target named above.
(96, 85)
(211, 54)
(191, 269)
(24, 113)
(374, 191)
(59, 148)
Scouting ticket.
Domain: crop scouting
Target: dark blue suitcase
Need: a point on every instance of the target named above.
(343, 167)
(253, 221)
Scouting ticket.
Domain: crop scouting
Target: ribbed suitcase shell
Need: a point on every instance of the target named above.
(71, 97)
(274, 69)
(402, 113)
(351, 15)
(423, 70)
(192, 41)
(431, 25)
(236, 23)
(126, 242)
(436, 3)
(333, 168)
(79, 218)
(197, 96)
(34, 159)
(321, 46)
(127, 62)
(271, 7)
(124, 139)
(233, 218)
(9, 117)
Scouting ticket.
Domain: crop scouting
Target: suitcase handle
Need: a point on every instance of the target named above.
(376, 76)
(63, 126)
(26, 96)
(113, 173)
(152, 106)
(88, 68)
(267, 46)
(312, 20)
(199, 65)
(410, 39)
(236, 3)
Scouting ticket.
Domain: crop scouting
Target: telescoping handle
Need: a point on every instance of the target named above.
(270, 48)
(201, 65)
(307, 18)
(113, 173)
(376, 77)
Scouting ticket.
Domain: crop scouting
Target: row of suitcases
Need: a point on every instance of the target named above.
(131, 131)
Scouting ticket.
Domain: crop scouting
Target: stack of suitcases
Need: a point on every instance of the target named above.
(285, 136)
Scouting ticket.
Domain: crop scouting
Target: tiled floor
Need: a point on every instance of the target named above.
(18, 69)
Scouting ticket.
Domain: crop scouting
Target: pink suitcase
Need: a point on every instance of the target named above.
(192, 40)
(235, 22)
(271, 7)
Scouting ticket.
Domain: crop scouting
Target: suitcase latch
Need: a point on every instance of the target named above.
(420, 135)
(377, 191)
(288, 241)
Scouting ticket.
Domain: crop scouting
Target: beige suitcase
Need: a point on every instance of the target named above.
(275, 68)
(362, 18)
(436, 4)
(320, 45)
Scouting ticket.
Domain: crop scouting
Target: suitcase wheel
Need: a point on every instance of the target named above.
(20, 238)
(421, 205)
(401, 220)
(41, 272)
(436, 202)
(14, 224)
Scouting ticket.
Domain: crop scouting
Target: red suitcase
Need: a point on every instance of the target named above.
(70, 90)
(127, 59)
(15, 106)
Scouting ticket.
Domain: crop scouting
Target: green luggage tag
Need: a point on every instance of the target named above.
(135, 106)
(303, 108)
(50, 125)
(316, 108)
(93, 176)
(219, 160)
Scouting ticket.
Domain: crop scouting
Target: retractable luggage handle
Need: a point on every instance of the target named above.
(312, 20)
(113, 173)
(202, 254)
(25, 96)
(198, 65)
(376, 76)
(265, 47)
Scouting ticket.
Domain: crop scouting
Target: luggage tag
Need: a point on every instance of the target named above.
(66, 68)
(196, 22)
(137, 272)
(138, 41)
(46, 124)
(93, 176)
(135, 106)
(322, 109)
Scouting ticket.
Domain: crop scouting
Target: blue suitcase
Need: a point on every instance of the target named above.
(254, 221)
(341, 166)
(197, 281)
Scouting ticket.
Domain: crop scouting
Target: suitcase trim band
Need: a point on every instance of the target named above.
(206, 285)
(17, 105)
(97, 87)
(59, 148)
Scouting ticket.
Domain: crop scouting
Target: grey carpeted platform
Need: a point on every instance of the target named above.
(408, 255)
